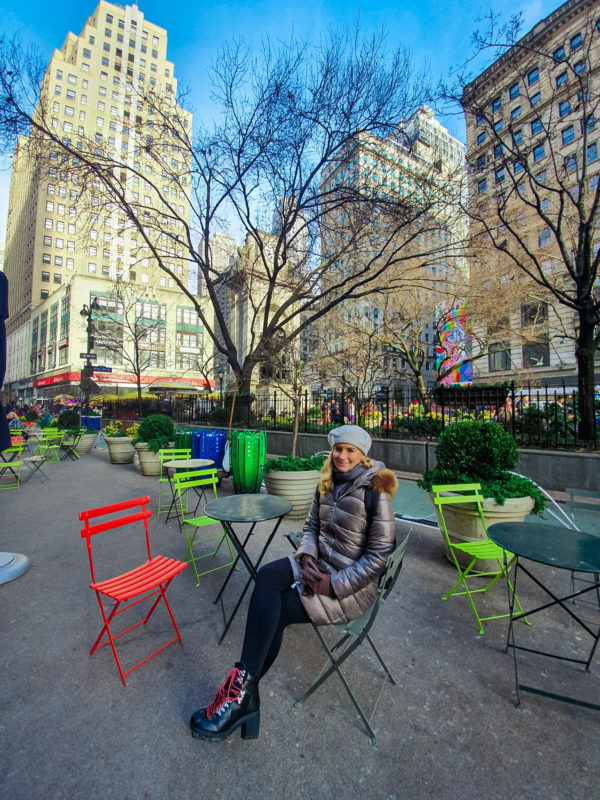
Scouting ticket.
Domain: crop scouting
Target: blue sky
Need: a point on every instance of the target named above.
(438, 33)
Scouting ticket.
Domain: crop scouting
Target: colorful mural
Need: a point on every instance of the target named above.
(453, 346)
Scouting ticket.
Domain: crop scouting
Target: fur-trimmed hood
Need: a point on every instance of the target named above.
(384, 480)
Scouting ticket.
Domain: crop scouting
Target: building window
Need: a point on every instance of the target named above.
(513, 91)
(498, 357)
(482, 186)
(568, 134)
(480, 165)
(576, 42)
(496, 104)
(559, 54)
(500, 175)
(535, 99)
(533, 76)
(533, 313)
(561, 79)
(57, 277)
(539, 152)
(44, 294)
(518, 137)
(518, 167)
(516, 112)
(479, 119)
(571, 164)
(564, 108)
(544, 237)
(481, 137)
(498, 125)
(580, 67)
(592, 152)
(536, 354)
(590, 123)
(45, 277)
(498, 151)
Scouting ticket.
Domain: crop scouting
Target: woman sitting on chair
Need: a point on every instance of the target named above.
(332, 578)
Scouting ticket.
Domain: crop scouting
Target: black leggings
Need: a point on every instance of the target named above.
(273, 606)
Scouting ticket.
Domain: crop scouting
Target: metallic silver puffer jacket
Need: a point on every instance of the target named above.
(336, 535)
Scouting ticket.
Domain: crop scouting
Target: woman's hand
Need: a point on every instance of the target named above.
(316, 579)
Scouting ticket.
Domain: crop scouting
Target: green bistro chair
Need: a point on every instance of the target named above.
(196, 484)
(471, 493)
(10, 466)
(166, 494)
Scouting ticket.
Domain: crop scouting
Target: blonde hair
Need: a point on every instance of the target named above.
(326, 479)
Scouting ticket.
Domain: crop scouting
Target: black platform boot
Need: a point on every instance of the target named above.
(237, 704)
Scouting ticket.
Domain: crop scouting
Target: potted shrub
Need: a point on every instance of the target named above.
(119, 441)
(479, 451)
(295, 479)
(155, 431)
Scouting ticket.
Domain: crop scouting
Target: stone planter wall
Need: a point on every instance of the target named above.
(86, 443)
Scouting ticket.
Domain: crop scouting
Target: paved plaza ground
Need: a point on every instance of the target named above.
(69, 729)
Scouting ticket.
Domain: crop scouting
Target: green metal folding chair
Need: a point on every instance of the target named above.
(485, 549)
(166, 497)
(191, 485)
(354, 634)
(10, 466)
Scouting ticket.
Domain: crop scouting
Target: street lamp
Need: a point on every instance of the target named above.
(221, 373)
(88, 368)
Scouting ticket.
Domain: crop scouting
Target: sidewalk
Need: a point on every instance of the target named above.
(69, 730)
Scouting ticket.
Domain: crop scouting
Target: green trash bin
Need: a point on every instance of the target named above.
(183, 439)
(248, 452)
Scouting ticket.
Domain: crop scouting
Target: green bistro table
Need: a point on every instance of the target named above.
(559, 548)
(246, 509)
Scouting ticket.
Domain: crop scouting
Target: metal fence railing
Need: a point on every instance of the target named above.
(536, 416)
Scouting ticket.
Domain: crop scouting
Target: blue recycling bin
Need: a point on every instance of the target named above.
(91, 423)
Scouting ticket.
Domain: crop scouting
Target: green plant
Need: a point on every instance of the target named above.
(133, 430)
(156, 430)
(289, 464)
(115, 428)
(482, 452)
(68, 420)
(31, 416)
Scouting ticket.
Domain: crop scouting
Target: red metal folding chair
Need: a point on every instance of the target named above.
(122, 592)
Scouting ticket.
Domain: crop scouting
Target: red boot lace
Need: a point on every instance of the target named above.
(229, 692)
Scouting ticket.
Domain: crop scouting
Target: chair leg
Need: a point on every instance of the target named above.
(335, 666)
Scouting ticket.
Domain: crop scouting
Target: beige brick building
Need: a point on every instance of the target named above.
(533, 133)
(103, 96)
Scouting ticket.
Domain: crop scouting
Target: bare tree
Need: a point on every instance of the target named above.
(282, 119)
(542, 218)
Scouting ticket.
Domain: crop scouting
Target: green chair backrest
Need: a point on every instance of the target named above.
(457, 493)
(193, 479)
(173, 454)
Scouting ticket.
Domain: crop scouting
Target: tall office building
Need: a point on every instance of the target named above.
(415, 182)
(532, 151)
(109, 97)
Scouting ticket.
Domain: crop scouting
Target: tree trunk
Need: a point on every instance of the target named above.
(585, 353)
(423, 393)
(296, 424)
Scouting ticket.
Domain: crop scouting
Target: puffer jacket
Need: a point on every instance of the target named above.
(336, 535)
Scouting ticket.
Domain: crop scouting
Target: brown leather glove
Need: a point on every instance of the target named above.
(315, 577)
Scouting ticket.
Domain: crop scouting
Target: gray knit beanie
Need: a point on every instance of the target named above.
(350, 434)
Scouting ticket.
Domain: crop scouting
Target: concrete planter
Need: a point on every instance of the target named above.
(120, 449)
(297, 487)
(464, 525)
(149, 460)
(87, 441)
